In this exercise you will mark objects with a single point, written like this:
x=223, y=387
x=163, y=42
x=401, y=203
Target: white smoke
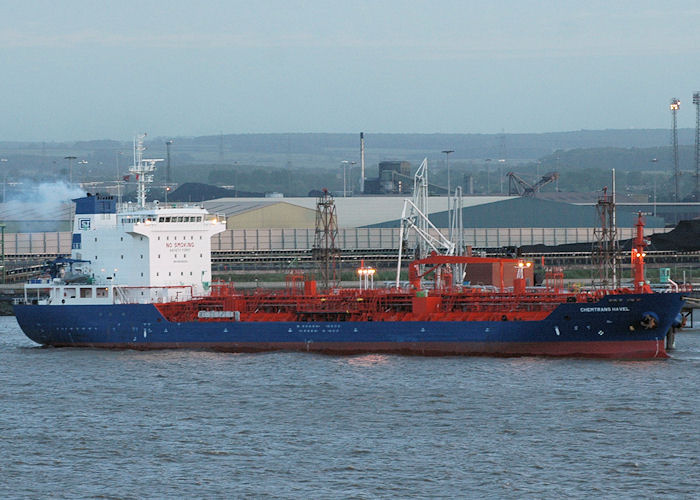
x=49, y=197
x=34, y=206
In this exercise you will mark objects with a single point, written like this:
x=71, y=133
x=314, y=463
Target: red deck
x=374, y=305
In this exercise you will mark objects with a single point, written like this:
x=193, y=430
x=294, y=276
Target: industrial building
x=525, y=212
x=270, y=213
x=394, y=178
x=364, y=223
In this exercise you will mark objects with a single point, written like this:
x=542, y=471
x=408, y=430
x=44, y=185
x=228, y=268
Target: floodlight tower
x=362, y=163
x=674, y=107
x=696, y=101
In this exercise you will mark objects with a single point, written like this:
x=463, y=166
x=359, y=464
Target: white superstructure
x=135, y=252
x=149, y=246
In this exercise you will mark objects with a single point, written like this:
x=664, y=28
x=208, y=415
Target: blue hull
x=607, y=328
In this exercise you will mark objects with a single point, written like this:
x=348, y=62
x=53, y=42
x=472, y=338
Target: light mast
x=674, y=107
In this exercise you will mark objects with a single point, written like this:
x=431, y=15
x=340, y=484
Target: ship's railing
x=132, y=207
x=53, y=290
x=152, y=294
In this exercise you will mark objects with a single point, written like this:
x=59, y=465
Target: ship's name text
x=604, y=309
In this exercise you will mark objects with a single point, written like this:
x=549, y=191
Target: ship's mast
x=638, y=254
x=606, y=249
x=143, y=169
x=325, y=250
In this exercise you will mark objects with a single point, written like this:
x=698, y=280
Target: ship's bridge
x=173, y=216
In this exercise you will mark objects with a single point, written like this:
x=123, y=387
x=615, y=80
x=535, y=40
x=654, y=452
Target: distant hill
x=465, y=145
x=296, y=163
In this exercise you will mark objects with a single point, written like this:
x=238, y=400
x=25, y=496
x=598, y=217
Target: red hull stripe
x=647, y=349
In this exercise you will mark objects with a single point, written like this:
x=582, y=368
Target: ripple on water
x=122, y=424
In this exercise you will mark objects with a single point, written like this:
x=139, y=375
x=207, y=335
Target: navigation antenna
x=143, y=170
x=606, y=249
x=415, y=216
x=324, y=249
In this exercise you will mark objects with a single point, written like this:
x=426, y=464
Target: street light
x=81, y=162
x=447, y=164
x=70, y=167
x=488, y=175
x=4, y=178
x=501, y=162
x=345, y=163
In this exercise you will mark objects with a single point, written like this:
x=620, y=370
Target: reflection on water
x=365, y=360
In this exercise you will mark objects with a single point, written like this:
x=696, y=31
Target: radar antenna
x=143, y=169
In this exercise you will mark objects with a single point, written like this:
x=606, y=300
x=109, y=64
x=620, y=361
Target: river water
x=87, y=423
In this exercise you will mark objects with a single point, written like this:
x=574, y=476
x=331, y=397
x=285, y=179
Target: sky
x=81, y=70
